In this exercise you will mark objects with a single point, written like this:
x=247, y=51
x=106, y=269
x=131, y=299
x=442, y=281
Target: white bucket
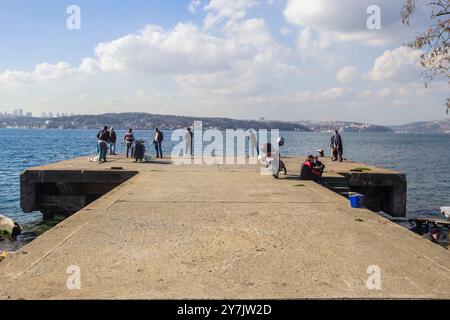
x=446, y=212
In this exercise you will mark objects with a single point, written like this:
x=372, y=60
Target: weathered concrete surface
x=384, y=189
x=68, y=186
x=224, y=232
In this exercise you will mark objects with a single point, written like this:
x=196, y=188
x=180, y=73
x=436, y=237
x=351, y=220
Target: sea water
x=425, y=159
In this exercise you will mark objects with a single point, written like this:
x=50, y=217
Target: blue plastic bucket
x=356, y=200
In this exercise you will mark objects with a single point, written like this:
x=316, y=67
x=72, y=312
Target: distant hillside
x=436, y=127
x=151, y=121
x=345, y=126
x=144, y=121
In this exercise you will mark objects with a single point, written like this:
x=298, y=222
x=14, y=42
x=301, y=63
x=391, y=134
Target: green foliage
x=361, y=169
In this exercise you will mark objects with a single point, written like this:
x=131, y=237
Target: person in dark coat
x=112, y=141
x=139, y=151
x=318, y=167
x=157, y=142
x=337, y=147
x=103, y=140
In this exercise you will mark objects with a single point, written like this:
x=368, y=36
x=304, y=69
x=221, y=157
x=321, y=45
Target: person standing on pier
x=337, y=147
x=112, y=141
x=129, y=140
x=157, y=141
x=188, y=141
x=253, y=141
x=103, y=140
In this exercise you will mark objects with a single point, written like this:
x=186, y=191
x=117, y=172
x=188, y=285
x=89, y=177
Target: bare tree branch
x=434, y=42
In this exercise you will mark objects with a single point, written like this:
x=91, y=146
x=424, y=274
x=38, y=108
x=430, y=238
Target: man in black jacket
x=103, y=140
x=112, y=141
x=337, y=147
x=157, y=141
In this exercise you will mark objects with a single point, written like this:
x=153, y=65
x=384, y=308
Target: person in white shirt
x=253, y=141
x=188, y=142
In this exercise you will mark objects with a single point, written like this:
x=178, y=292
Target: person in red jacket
x=307, y=169
x=312, y=169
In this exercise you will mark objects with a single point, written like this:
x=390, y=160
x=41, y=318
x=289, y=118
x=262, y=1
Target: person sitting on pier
x=307, y=169
x=103, y=140
x=318, y=167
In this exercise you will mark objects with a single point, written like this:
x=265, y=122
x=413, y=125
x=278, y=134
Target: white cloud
x=401, y=64
x=333, y=93
x=244, y=52
x=285, y=31
x=305, y=98
x=42, y=72
x=184, y=49
x=226, y=10
x=188, y=50
x=385, y=92
x=89, y=66
x=233, y=65
x=346, y=20
x=310, y=42
x=194, y=5
x=317, y=50
x=347, y=74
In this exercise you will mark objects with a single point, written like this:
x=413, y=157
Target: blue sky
x=35, y=30
x=279, y=59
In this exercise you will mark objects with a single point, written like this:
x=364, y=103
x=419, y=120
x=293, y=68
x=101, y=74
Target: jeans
x=103, y=146
x=158, y=148
x=253, y=148
x=130, y=149
x=112, y=147
x=188, y=149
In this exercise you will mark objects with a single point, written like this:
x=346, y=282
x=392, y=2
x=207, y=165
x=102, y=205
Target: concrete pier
x=220, y=231
x=69, y=186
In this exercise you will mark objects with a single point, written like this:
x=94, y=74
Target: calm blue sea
x=424, y=158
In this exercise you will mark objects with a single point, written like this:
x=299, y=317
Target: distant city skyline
x=242, y=59
x=21, y=113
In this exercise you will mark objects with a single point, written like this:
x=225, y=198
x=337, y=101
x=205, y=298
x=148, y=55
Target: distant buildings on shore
x=16, y=113
x=56, y=115
x=20, y=113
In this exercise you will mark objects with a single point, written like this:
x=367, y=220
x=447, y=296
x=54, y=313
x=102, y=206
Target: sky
x=245, y=59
